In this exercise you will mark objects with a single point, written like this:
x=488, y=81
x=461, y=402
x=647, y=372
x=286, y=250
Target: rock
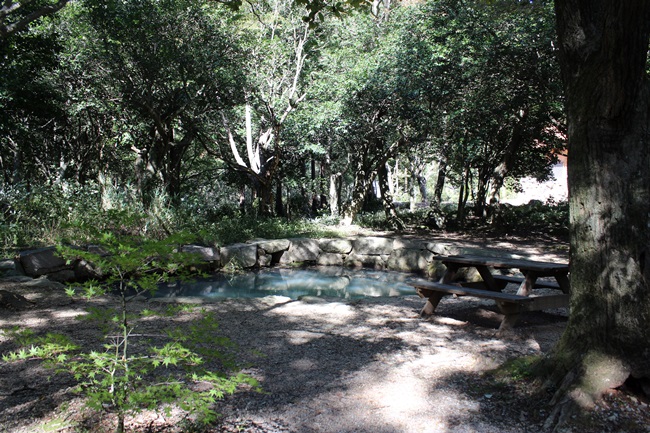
x=365, y=260
x=17, y=279
x=85, y=271
x=330, y=259
x=409, y=244
x=301, y=250
x=264, y=260
x=272, y=246
x=14, y=301
x=7, y=265
x=42, y=261
x=373, y=246
x=207, y=254
x=244, y=255
x=62, y=276
x=443, y=249
x=10, y=268
x=436, y=269
x=336, y=246
x=97, y=249
x=410, y=260
x=44, y=283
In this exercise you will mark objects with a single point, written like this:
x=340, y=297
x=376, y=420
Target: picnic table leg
x=450, y=273
x=563, y=281
x=526, y=287
x=490, y=284
x=511, y=315
x=508, y=323
x=433, y=299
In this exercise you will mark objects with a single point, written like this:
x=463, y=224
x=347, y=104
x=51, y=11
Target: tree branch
x=10, y=7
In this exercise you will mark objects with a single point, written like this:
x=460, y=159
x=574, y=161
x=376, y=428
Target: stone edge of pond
x=381, y=253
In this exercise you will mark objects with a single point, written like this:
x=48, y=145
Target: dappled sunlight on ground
x=330, y=366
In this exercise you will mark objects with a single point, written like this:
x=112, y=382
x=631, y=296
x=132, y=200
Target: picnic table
x=511, y=305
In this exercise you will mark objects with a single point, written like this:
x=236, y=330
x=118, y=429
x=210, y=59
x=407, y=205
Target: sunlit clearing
x=331, y=312
x=400, y=401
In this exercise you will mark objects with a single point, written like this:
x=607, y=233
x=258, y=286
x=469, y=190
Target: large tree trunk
x=361, y=185
x=603, y=48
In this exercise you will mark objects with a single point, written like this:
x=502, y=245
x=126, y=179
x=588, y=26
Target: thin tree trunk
x=387, y=199
x=314, y=193
x=440, y=183
x=279, y=208
x=334, y=194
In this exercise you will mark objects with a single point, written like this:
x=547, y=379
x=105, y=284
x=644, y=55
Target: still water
x=330, y=282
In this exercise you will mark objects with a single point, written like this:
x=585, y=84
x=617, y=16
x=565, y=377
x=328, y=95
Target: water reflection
x=293, y=283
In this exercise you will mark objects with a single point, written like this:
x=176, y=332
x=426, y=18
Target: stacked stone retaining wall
x=399, y=254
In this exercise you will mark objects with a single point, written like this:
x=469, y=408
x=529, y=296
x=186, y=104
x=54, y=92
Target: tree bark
x=440, y=183
x=361, y=185
x=387, y=199
x=603, y=51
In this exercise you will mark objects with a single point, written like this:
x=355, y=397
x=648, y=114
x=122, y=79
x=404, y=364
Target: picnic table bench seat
x=510, y=305
x=505, y=279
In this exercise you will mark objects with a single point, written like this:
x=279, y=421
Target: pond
x=327, y=282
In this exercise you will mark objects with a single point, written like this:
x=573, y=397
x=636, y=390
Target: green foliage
x=132, y=372
x=230, y=230
x=551, y=218
x=517, y=369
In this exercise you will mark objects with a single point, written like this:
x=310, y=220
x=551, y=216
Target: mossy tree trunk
x=603, y=52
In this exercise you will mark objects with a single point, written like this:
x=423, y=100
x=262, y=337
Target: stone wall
x=399, y=254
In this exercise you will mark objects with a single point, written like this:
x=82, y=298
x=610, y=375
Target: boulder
x=10, y=268
x=373, y=246
x=330, y=259
x=44, y=283
x=62, y=276
x=264, y=260
x=301, y=250
x=42, y=261
x=84, y=270
x=436, y=269
x=208, y=254
x=410, y=244
x=7, y=265
x=273, y=245
x=336, y=246
x=14, y=301
x=355, y=260
x=244, y=255
x=410, y=260
x=443, y=249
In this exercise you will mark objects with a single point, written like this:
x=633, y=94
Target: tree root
x=583, y=386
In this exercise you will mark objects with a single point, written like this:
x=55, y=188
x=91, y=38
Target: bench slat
x=467, y=291
x=518, y=280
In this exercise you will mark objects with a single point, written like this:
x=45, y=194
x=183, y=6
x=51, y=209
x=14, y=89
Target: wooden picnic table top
x=504, y=262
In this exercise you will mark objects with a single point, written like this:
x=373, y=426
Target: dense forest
x=194, y=112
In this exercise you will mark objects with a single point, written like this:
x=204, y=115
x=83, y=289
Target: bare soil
x=327, y=365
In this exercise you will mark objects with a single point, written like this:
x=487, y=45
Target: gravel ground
x=326, y=366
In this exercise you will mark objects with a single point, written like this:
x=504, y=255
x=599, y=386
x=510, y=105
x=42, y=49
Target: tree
x=166, y=71
x=603, y=48
x=17, y=15
x=280, y=45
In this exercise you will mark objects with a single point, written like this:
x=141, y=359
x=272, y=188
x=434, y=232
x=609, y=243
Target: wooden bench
x=509, y=304
x=503, y=280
